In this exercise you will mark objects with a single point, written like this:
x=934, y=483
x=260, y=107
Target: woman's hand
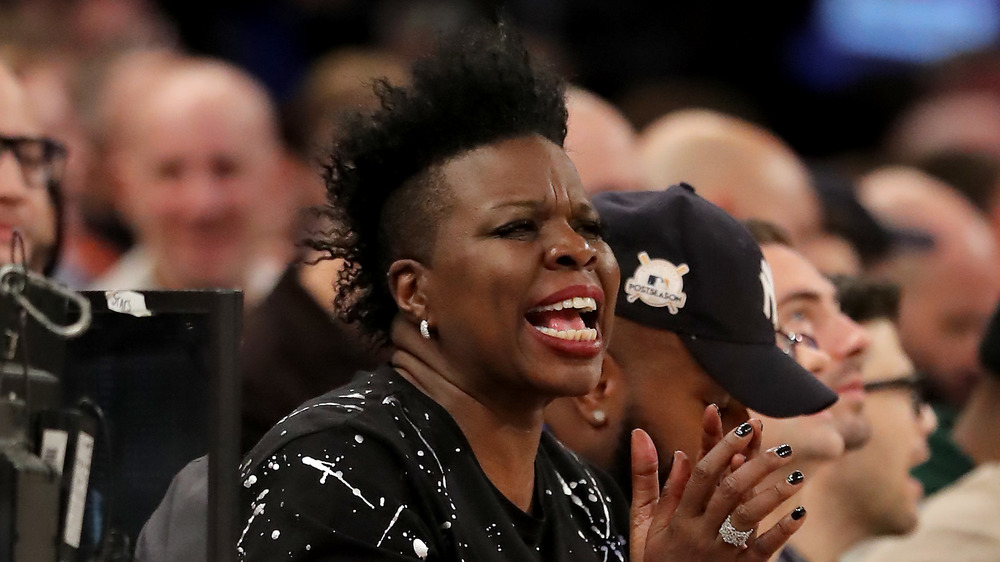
x=682, y=522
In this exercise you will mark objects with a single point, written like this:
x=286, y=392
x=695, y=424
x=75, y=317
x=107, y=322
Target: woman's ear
x=407, y=280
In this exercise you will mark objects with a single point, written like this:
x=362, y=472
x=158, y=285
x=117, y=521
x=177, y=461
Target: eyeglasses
x=42, y=160
x=789, y=342
x=911, y=382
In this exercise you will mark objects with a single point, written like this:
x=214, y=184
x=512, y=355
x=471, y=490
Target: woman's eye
x=516, y=229
x=591, y=229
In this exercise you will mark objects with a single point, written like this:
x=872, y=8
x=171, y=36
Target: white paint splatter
x=256, y=511
x=348, y=407
x=275, y=534
x=327, y=469
x=420, y=549
x=250, y=481
x=391, y=523
x=359, y=439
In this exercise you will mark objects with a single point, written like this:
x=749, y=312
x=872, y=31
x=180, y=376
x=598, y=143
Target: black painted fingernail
x=744, y=429
x=795, y=478
x=798, y=513
x=718, y=411
x=784, y=450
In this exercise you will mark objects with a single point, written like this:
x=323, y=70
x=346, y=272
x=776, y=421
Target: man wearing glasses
x=870, y=492
x=808, y=310
x=30, y=168
x=814, y=331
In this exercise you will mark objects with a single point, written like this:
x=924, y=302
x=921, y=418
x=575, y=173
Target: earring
x=425, y=329
x=600, y=418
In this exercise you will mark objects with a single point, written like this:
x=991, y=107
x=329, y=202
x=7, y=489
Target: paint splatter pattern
x=377, y=471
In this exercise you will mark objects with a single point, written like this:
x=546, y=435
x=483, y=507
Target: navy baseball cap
x=690, y=268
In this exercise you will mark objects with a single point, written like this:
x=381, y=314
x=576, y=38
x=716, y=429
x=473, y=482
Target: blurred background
x=828, y=76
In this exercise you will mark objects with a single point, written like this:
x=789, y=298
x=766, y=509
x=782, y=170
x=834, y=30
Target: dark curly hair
x=384, y=195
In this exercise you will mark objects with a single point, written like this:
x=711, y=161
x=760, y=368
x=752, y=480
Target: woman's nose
x=568, y=249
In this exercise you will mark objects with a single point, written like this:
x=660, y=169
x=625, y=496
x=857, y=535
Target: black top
x=377, y=470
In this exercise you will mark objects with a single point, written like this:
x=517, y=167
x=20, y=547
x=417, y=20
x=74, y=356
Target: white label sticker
x=127, y=302
x=54, y=448
x=78, y=490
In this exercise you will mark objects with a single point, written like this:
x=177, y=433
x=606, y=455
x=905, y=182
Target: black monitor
x=168, y=384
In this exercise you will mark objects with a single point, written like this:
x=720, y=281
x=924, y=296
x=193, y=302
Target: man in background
x=739, y=166
x=948, y=292
x=602, y=144
x=198, y=161
x=869, y=492
x=31, y=166
x=961, y=523
x=685, y=336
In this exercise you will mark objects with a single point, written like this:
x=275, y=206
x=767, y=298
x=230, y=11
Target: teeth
x=586, y=334
x=583, y=304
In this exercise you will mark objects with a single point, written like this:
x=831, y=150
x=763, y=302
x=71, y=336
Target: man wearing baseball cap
x=695, y=322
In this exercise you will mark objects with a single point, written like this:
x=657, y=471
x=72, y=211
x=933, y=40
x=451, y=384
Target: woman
x=471, y=247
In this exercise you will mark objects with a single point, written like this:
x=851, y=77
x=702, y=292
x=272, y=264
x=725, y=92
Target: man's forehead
x=795, y=276
x=16, y=117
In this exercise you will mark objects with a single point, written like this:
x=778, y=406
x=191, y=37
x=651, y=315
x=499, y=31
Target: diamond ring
x=732, y=536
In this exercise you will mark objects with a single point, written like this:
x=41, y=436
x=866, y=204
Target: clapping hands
x=683, y=520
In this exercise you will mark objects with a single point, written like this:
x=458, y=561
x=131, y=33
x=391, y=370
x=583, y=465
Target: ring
x=731, y=536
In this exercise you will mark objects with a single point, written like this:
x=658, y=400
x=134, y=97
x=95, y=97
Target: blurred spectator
x=967, y=121
x=31, y=167
x=948, y=295
x=740, y=167
x=976, y=174
x=961, y=523
x=852, y=239
x=337, y=84
x=295, y=347
x=869, y=492
x=198, y=162
x=601, y=143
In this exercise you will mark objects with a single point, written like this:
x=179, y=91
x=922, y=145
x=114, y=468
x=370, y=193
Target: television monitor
x=167, y=381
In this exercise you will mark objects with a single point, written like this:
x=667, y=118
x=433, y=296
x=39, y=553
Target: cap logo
x=657, y=283
x=767, y=284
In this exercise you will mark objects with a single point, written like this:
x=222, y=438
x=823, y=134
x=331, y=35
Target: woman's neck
x=504, y=441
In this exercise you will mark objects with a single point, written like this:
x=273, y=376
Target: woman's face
x=521, y=288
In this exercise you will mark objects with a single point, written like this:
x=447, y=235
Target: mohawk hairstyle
x=384, y=197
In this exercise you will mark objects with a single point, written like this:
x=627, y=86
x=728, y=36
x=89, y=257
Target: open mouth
x=571, y=319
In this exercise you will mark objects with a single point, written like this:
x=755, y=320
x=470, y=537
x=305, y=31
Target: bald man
x=30, y=167
x=198, y=163
x=948, y=295
x=741, y=167
x=967, y=121
x=602, y=144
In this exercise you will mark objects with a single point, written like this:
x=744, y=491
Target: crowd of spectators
x=165, y=168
